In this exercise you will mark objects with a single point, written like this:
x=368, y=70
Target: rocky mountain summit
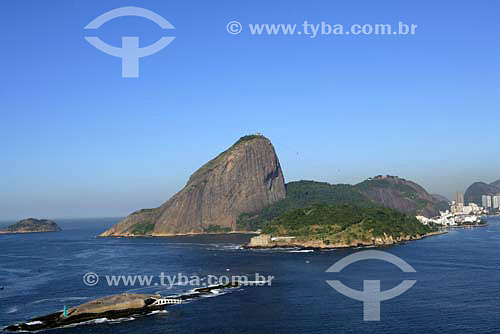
x=475, y=191
x=400, y=194
x=245, y=178
x=32, y=225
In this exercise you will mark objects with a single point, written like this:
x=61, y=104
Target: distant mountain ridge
x=402, y=195
x=475, y=191
x=496, y=184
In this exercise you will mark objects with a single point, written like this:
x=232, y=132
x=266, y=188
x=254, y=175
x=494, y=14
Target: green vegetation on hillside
x=246, y=138
x=442, y=205
x=385, y=183
x=143, y=228
x=216, y=229
x=301, y=194
x=333, y=224
x=144, y=211
x=34, y=225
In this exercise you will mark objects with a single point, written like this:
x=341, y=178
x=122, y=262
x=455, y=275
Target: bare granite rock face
x=111, y=303
x=244, y=178
x=400, y=194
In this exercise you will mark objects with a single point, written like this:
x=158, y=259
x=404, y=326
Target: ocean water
x=457, y=289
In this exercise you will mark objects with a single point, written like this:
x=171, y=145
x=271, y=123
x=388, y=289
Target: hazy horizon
x=78, y=140
x=152, y=195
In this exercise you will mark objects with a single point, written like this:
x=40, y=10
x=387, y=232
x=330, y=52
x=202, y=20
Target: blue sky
x=78, y=140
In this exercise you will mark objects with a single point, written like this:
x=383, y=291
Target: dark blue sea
x=457, y=289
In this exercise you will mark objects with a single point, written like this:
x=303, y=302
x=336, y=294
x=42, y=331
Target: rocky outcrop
x=245, y=178
x=113, y=307
x=475, y=192
x=112, y=303
x=266, y=241
x=32, y=225
x=400, y=194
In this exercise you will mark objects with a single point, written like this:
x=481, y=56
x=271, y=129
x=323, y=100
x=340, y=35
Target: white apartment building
x=496, y=202
x=486, y=199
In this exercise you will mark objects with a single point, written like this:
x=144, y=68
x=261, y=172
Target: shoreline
x=169, y=235
x=24, y=232
x=469, y=226
x=81, y=314
x=307, y=245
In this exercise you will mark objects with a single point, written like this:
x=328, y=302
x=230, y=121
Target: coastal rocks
x=113, y=307
x=111, y=303
x=263, y=240
x=267, y=241
x=245, y=178
x=32, y=225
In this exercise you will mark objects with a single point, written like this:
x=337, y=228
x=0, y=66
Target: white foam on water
x=272, y=250
x=34, y=323
x=211, y=295
x=302, y=251
x=100, y=320
x=231, y=247
x=121, y=320
x=12, y=309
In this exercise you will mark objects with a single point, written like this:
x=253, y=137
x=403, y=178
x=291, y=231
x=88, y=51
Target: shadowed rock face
x=475, y=192
x=245, y=178
x=400, y=194
x=496, y=184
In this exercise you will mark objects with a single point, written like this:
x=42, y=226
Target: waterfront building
x=496, y=202
x=486, y=199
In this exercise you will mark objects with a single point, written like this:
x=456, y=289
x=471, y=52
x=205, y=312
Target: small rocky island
x=112, y=307
x=32, y=225
x=329, y=226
